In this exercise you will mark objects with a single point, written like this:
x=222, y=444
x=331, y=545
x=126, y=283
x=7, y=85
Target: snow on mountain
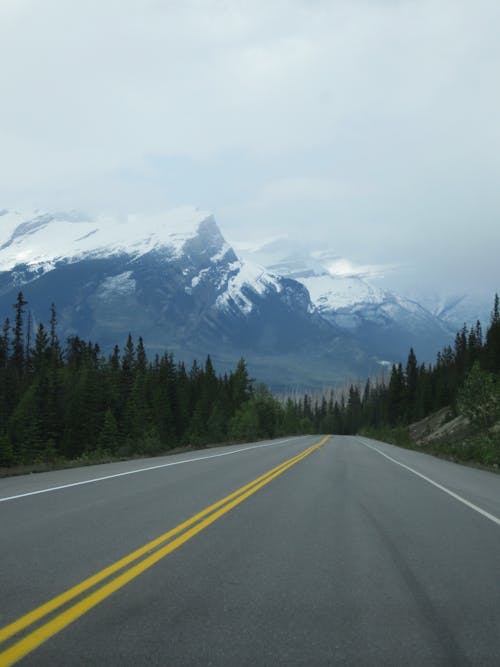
x=353, y=303
x=331, y=293
x=174, y=280
x=385, y=322
x=35, y=243
x=42, y=239
x=458, y=309
x=246, y=276
x=336, y=288
x=328, y=292
x=122, y=283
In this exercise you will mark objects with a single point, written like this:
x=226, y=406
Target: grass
x=86, y=459
x=481, y=449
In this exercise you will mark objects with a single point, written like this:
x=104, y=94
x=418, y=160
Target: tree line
x=72, y=402
x=465, y=377
x=65, y=402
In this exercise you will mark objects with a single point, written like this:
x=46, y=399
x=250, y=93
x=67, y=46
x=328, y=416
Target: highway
x=301, y=551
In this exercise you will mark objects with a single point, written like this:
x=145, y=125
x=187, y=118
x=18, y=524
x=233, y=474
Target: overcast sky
x=370, y=127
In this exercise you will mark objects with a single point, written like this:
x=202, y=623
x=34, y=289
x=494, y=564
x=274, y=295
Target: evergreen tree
x=411, y=385
x=7, y=456
x=492, y=351
x=40, y=353
x=5, y=344
x=28, y=362
x=108, y=437
x=240, y=384
x=396, y=397
x=18, y=343
x=353, y=416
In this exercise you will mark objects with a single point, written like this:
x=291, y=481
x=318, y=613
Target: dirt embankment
x=439, y=425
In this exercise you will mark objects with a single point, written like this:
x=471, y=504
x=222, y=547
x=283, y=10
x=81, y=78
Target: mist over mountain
x=457, y=309
x=381, y=321
x=175, y=280
x=340, y=285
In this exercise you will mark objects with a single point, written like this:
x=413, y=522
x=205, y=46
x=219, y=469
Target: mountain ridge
x=176, y=281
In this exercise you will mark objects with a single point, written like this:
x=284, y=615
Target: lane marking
x=134, y=472
x=63, y=619
x=55, y=603
x=451, y=493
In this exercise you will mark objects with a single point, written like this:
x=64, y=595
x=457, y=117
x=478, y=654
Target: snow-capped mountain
x=174, y=280
x=384, y=323
x=455, y=310
x=42, y=243
x=41, y=240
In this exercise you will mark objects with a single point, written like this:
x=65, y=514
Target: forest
x=465, y=378
x=70, y=402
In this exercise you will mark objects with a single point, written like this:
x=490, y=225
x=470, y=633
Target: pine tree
x=474, y=345
x=41, y=349
x=141, y=364
x=18, y=343
x=353, y=410
x=5, y=344
x=56, y=360
x=9, y=385
x=397, y=391
x=411, y=385
x=492, y=347
x=108, y=437
x=127, y=378
x=241, y=385
x=28, y=362
x=165, y=401
x=7, y=457
x=338, y=418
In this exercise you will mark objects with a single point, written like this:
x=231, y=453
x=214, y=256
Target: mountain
x=174, y=280
x=455, y=310
x=383, y=323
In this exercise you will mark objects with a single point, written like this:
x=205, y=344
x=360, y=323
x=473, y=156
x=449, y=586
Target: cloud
x=305, y=189
x=371, y=126
x=344, y=268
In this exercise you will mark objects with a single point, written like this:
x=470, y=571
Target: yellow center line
x=204, y=518
x=63, y=598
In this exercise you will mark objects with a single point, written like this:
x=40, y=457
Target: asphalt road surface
x=351, y=552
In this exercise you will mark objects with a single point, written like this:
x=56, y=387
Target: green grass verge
x=481, y=449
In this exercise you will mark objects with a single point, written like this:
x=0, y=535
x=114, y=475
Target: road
x=351, y=552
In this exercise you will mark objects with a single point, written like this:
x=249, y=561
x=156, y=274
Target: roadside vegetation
x=70, y=404
x=462, y=388
x=62, y=404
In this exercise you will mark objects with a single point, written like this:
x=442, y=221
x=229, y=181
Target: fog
x=369, y=128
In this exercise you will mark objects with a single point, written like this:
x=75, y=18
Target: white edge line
x=486, y=514
x=133, y=472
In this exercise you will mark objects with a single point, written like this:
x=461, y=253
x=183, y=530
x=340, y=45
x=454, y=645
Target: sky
x=369, y=128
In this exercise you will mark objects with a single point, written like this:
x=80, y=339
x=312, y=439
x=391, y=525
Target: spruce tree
x=41, y=348
x=5, y=344
x=353, y=410
x=241, y=385
x=18, y=343
x=397, y=392
x=108, y=437
x=411, y=385
x=492, y=347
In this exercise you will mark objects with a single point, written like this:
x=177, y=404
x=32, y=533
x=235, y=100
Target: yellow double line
x=184, y=532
